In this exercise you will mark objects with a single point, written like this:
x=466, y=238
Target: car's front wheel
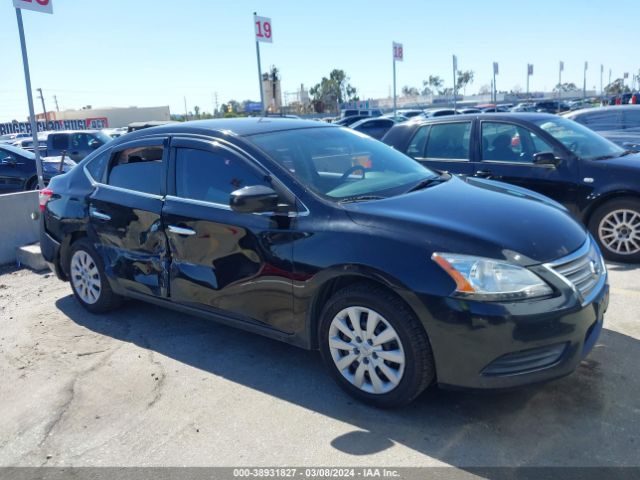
x=374, y=346
x=88, y=282
x=616, y=227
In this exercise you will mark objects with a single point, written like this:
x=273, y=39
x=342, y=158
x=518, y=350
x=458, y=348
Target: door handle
x=181, y=230
x=482, y=174
x=99, y=215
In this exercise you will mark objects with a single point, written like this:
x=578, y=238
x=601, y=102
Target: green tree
x=410, y=91
x=196, y=109
x=566, y=87
x=332, y=91
x=616, y=87
x=463, y=79
x=432, y=84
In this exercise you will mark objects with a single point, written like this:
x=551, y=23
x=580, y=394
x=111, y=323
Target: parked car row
x=402, y=276
x=595, y=180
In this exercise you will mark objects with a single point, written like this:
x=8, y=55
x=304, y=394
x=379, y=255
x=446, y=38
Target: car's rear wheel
x=374, y=346
x=616, y=227
x=32, y=184
x=88, y=281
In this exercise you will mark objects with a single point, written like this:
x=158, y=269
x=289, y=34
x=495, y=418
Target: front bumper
x=490, y=346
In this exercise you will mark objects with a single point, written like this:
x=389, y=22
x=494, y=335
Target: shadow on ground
x=589, y=418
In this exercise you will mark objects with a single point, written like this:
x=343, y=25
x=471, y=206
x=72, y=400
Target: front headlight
x=491, y=280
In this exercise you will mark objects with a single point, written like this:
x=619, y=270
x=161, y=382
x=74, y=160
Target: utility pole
x=44, y=109
x=186, y=110
x=215, y=96
x=55, y=99
x=584, y=82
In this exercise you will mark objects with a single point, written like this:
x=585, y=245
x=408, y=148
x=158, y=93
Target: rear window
x=97, y=166
x=138, y=169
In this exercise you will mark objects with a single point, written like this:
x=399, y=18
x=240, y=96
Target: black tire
x=106, y=299
x=32, y=184
x=602, y=212
x=419, y=369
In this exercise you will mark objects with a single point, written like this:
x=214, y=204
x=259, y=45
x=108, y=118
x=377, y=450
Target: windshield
x=339, y=163
x=103, y=137
x=582, y=141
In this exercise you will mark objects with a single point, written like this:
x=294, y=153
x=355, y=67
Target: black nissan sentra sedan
x=324, y=238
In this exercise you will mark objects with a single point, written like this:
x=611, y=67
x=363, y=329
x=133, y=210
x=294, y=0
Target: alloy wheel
x=366, y=350
x=85, y=277
x=619, y=232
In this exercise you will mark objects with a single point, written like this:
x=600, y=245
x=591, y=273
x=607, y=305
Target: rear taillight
x=43, y=197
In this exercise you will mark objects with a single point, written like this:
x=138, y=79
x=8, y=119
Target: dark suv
x=75, y=144
x=324, y=238
x=596, y=180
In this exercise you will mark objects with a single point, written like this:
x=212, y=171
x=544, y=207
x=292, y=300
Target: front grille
x=582, y=270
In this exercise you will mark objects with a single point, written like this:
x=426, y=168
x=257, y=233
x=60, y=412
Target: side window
x=60, y=142
x=632, y=118
x=501, y=142
x=506, y=142
x=449, y=140
x=212, y=176
x=606, y=120
x=138, y=168
x=6, y=157
x=418, y=143
x=97, y=166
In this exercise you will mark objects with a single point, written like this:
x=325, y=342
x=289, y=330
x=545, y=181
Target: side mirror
x=545, y=158
x=254, y=199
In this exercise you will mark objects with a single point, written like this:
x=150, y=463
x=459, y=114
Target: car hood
x=477, y=217
x=628, y=161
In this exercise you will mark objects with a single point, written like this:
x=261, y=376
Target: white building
x=115, y=116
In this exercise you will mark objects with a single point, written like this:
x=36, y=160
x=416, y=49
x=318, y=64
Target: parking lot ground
x=146, y=386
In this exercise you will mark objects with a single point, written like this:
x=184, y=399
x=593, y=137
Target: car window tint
x=418, y=143
x=97, y=165
x=212, y=176
x=506, y=142
x=60, y=142
x=632, y=118
x=138, y=168
x=606, y=120
x=449, y=140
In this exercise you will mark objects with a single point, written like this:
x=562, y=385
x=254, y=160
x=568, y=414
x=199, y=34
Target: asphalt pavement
x=150, y=387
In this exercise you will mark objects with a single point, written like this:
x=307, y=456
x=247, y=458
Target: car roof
x=371, y=119
x=586, y=111
x=507, y=116
x=53, y=132
x=230, y=126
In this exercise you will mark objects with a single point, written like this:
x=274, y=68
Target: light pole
x=32, y=115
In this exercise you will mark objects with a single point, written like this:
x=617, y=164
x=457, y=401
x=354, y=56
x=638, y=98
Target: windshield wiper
x=427, y=182
x=628, y=152
x=360, y=198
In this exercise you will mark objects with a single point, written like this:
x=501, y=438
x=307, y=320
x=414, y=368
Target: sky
x=156, y=52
